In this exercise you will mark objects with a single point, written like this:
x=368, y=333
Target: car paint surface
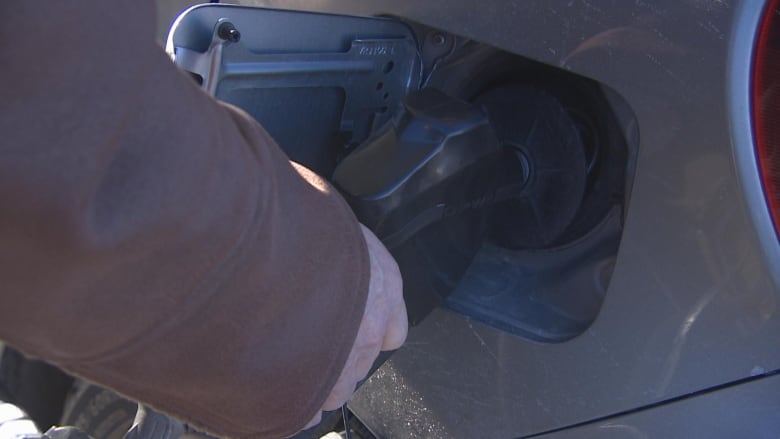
x=693, y=301
x=750, y=410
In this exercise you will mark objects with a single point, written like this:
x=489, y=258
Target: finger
x=340, y=394
x=365, y=362
x=397, y=321
x=314, y=421
x=345, y=385
x=397, y=329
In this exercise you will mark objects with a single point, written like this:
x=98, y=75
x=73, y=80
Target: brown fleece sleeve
x=158, y=242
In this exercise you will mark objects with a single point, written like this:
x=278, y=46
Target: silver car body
x=686, y=342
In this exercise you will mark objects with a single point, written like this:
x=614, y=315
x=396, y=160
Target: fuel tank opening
x=545, y=160
x=570, y=143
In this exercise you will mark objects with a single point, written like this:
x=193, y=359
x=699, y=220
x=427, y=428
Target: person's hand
x=383, y=327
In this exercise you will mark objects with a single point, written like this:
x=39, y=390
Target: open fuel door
x=320, y=84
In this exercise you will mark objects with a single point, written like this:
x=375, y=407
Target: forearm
x=158, y=242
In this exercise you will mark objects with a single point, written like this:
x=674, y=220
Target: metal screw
x=438, y=39
x=228, y=32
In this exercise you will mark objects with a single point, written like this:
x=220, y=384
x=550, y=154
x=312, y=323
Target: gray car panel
x=693, y=301
x=750, y=410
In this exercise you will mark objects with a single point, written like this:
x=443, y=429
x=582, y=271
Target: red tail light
x=766, y=106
